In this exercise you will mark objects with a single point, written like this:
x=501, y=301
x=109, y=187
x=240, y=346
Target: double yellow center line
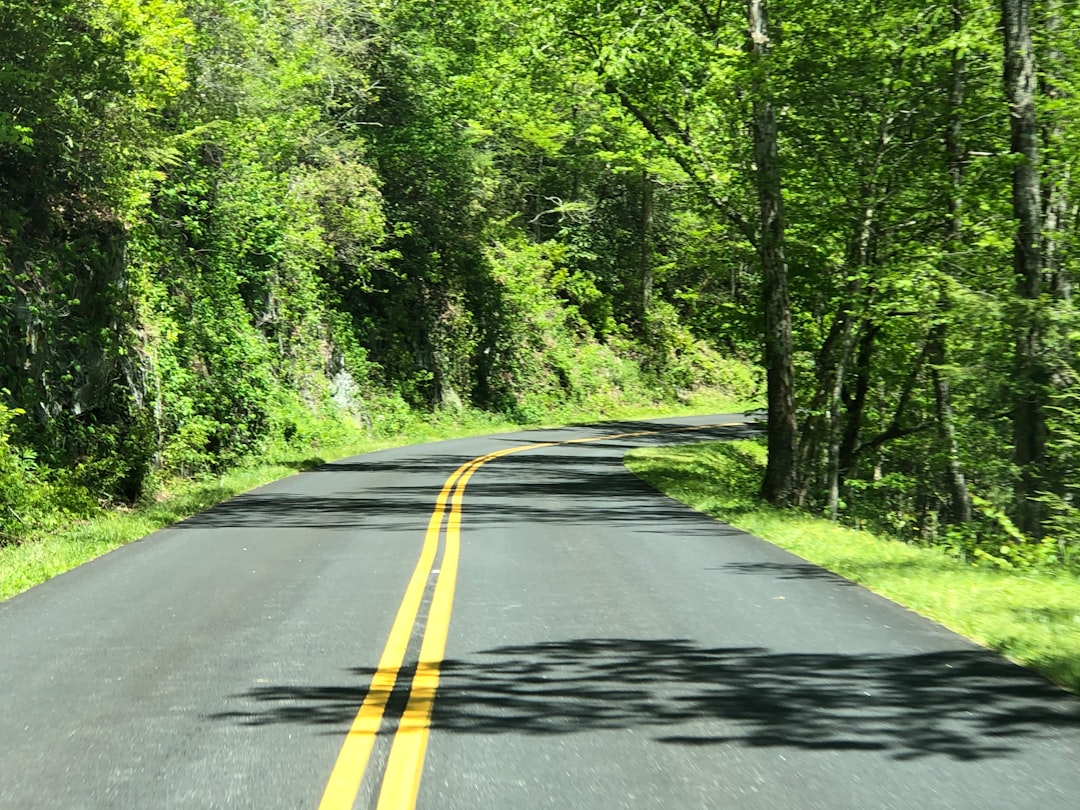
x=401, y=779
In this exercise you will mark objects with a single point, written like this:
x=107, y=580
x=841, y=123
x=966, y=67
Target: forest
x=225, y=223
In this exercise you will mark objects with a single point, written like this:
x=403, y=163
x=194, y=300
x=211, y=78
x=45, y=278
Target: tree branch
x=653, y=128
x=894, y=430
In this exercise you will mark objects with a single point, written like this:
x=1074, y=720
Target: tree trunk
x=855, y=402
x=837, y=394
x=859, y=256
x=826, y=425
x=1029, y=416
x=1056, y=193
x=959, y=498
x=645, y=256
x=780, y=473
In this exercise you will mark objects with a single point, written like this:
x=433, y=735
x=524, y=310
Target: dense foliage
x=227, y=222
x=898, y=176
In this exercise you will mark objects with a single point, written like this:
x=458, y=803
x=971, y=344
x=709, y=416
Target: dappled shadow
x=962, y=704
x=640, y=434
x=788, y=571
x=303, y=464
x=579, y=483
x=589, y=435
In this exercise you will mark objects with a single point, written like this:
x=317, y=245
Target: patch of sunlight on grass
x=1031, y=617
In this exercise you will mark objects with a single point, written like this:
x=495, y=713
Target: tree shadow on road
x=573, y=484
x=961, y=704
x=785, y=571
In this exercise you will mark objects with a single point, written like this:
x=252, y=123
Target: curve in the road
x=400, y=786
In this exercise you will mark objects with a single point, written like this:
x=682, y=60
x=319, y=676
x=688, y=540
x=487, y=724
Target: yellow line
x=348, y=772
x=401, y=780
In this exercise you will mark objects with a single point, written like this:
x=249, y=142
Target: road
x=607, y=648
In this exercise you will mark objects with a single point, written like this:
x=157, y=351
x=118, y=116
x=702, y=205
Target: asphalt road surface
x=608, y=648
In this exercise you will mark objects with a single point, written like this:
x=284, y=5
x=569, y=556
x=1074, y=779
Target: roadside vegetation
x=1028, y=611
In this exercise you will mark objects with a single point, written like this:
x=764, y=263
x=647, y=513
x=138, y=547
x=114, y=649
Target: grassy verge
x=1033, y=618
x=31, y=562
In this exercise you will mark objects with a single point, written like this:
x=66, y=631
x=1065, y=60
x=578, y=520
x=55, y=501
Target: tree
x=780, y=474
x=1032, y=377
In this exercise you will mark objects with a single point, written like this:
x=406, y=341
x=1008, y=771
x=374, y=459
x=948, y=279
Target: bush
x=29, y=503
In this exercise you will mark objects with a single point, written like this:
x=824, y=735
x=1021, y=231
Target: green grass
x=1032, y=618
x=33, y=561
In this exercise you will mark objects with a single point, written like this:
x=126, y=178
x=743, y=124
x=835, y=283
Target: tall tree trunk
x=959, y=498
x=855, y=401
x=1056, y=193
x=858, y=259
x=1029, y=416
x=837, y=395
x=826, y=424
x=780, y=473
x=645, y=247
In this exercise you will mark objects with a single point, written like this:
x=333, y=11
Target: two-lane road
x=511, y=621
